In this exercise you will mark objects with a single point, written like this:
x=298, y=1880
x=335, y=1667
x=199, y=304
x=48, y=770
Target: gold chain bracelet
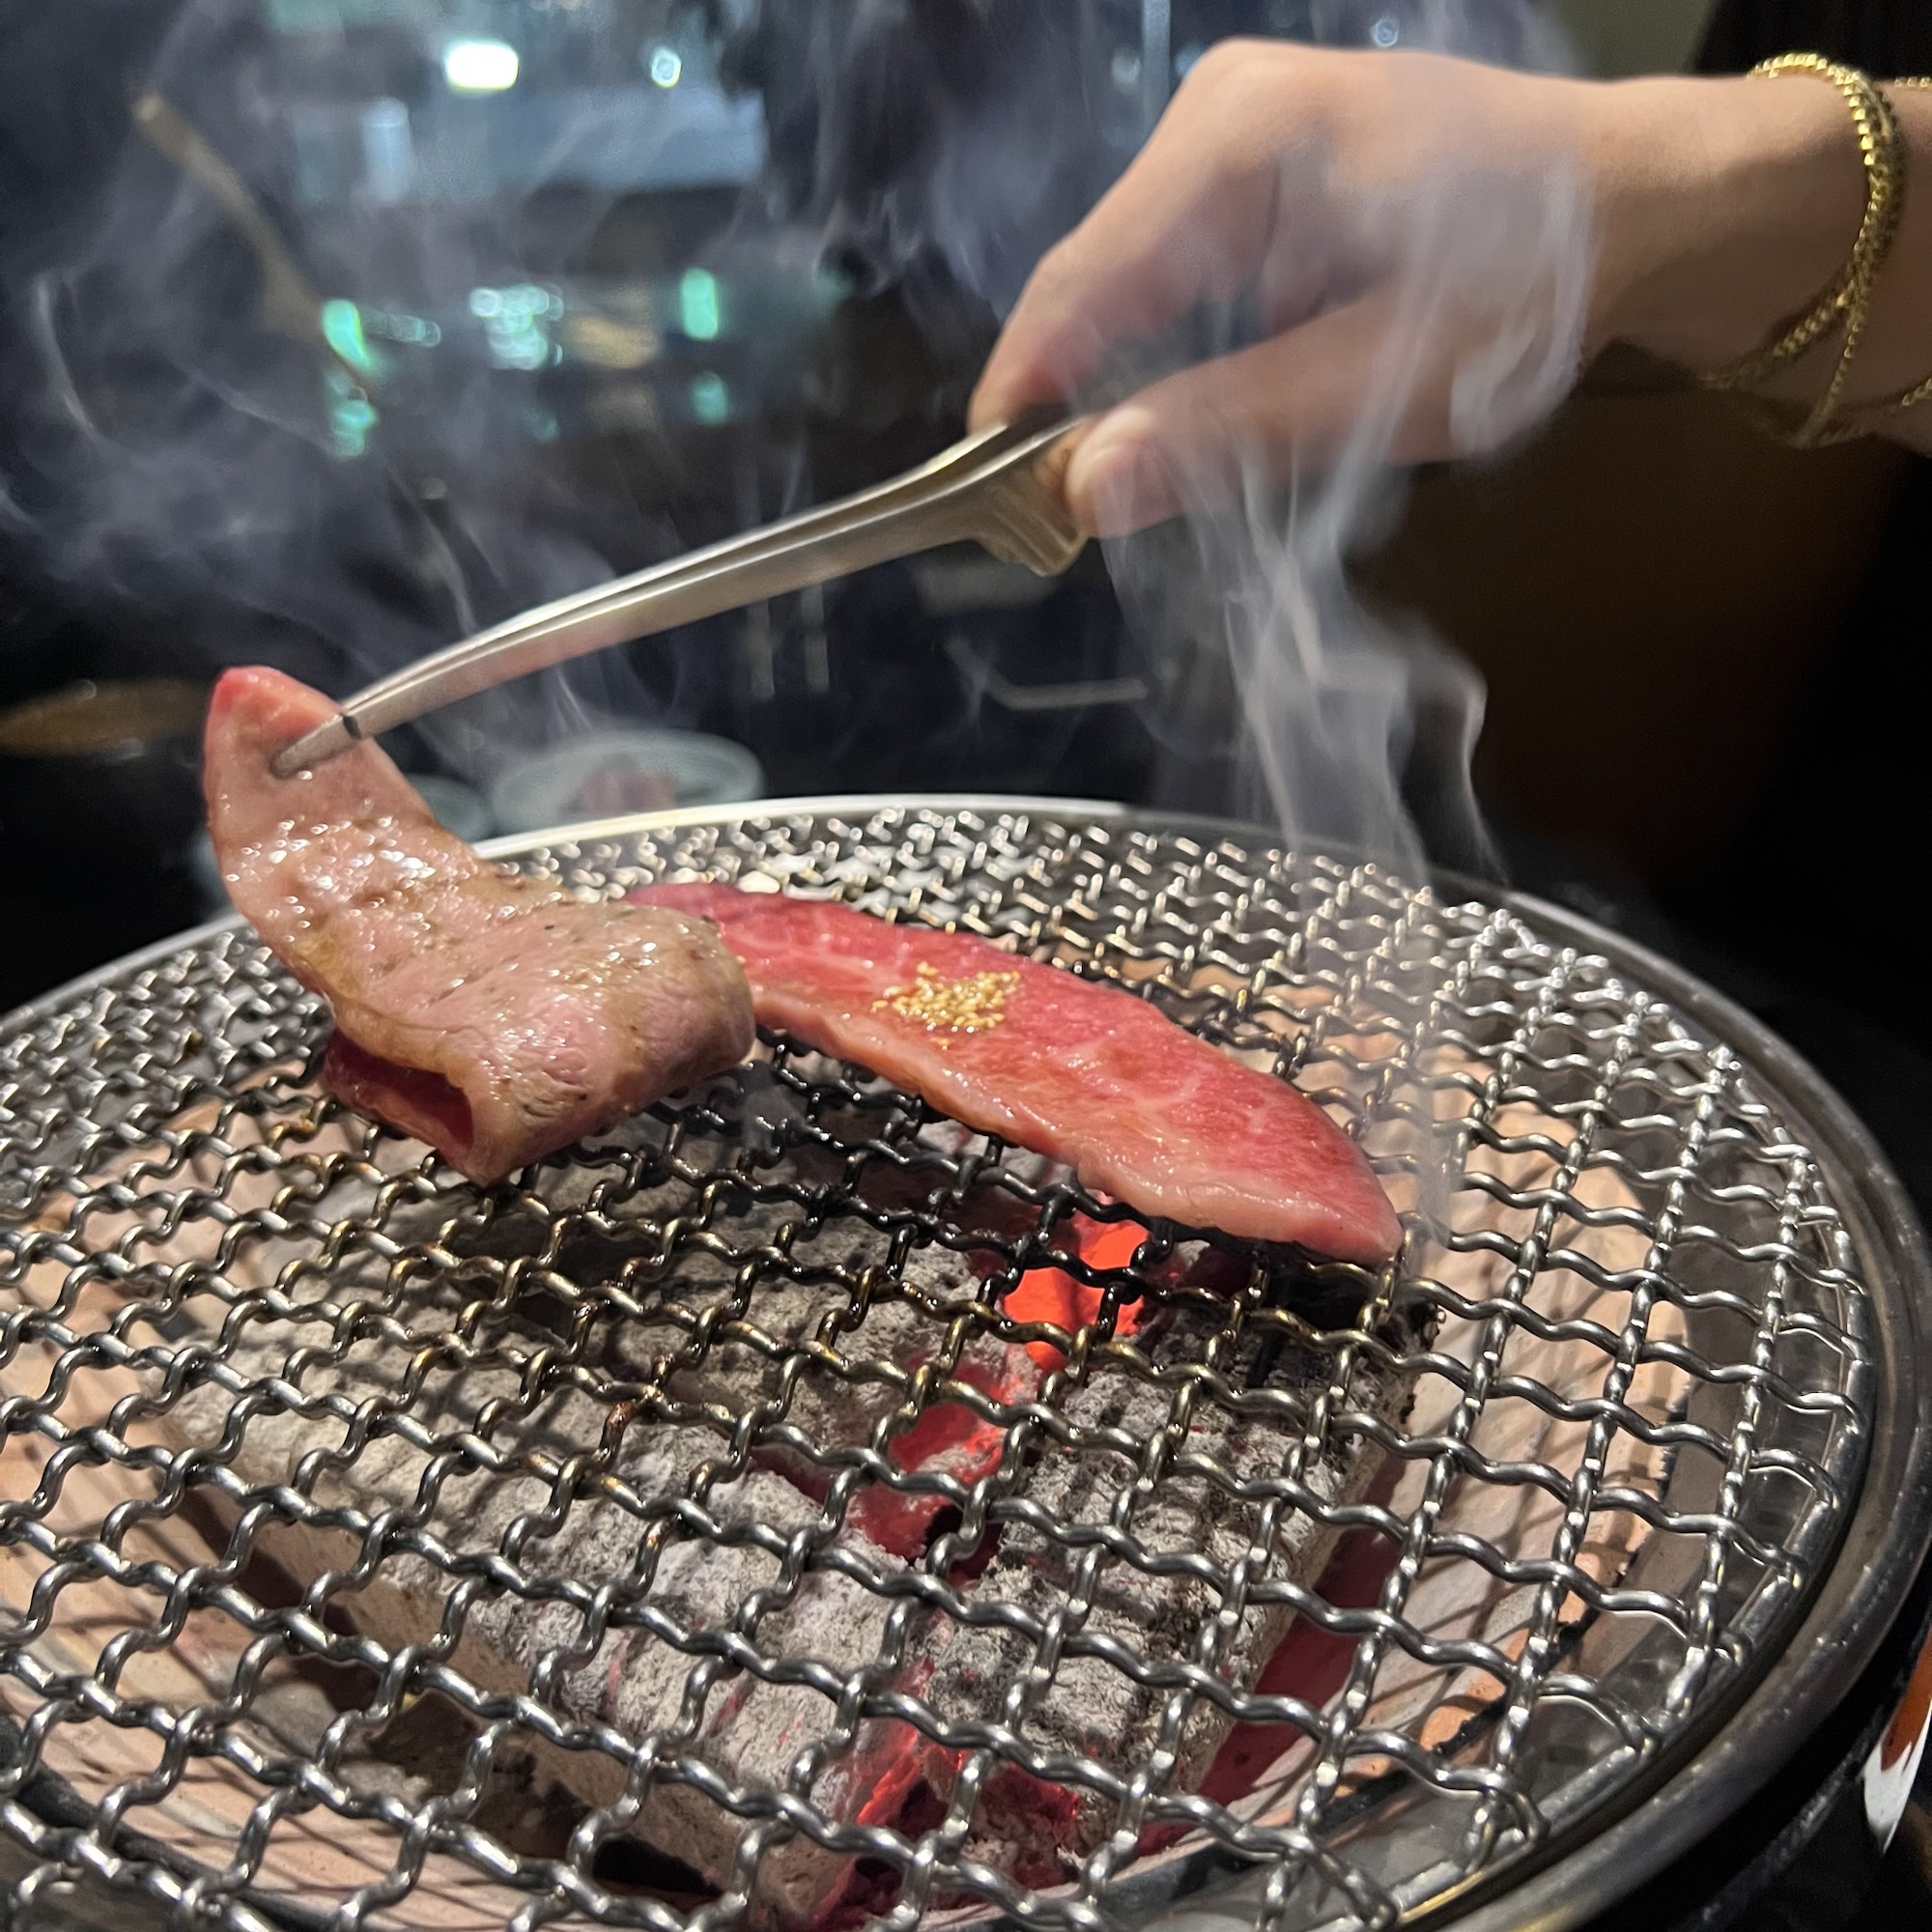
x=1842, y=309
x=1919, y=392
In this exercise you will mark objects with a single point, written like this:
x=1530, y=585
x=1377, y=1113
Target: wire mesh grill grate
x=792, y=1509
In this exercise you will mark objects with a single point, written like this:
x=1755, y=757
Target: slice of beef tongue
x=1077, y=1069
x=492, y=1016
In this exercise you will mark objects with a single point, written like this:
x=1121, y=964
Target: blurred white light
x=1386, y=31
x=1126, y=69
x=666, y=67
x=479, y=66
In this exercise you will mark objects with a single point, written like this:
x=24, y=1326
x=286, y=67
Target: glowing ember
x=950, y=1437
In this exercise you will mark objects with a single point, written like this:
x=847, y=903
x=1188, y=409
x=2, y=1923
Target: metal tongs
x=987, y=488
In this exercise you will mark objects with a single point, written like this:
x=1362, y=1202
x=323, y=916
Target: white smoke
x=1359, y=729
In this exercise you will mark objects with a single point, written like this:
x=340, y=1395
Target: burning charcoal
x=748, y=1730
x=1089, y=1709
x=612, y=1479
x=834, y=1412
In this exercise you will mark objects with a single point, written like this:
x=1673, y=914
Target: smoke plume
x=1359, y=729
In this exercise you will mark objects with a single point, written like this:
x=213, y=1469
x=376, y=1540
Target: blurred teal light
x=710, y=399
x=698, y=309
x=512, y=320
x=351, y=417
x=666, y=67
x=342, y=330
x=410, y=328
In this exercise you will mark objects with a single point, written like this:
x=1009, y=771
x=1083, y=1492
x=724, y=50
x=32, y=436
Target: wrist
x=1724, y=208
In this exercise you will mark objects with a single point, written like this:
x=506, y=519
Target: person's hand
x=1313, y=185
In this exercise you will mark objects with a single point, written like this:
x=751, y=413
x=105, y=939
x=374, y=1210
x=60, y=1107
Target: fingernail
x=1116, y=482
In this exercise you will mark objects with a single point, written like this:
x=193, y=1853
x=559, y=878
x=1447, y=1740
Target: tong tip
x=315, y=748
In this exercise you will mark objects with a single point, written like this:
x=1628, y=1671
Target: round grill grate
x=792, y=1509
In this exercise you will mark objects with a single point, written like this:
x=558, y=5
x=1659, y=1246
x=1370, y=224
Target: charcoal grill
x=1653, y=1488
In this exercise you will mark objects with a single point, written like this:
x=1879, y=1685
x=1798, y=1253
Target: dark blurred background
x=333, y=329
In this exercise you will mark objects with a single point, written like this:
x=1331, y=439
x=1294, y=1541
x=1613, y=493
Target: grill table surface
x=1659, y=1485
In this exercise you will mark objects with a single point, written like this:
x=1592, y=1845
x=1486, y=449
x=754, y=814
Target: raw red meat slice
x=1085, y=1073
x=494, y=1017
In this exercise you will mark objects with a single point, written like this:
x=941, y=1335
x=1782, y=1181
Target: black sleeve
x=1883, y=36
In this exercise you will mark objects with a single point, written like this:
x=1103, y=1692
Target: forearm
x=1726, y=205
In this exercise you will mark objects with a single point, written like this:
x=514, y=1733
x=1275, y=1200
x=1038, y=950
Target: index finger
x=1187, y=222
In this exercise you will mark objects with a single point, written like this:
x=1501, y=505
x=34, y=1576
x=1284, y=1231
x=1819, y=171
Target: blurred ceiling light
x=389, y=154
x=666, y=67
x=479, y=66
x=512, y=320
